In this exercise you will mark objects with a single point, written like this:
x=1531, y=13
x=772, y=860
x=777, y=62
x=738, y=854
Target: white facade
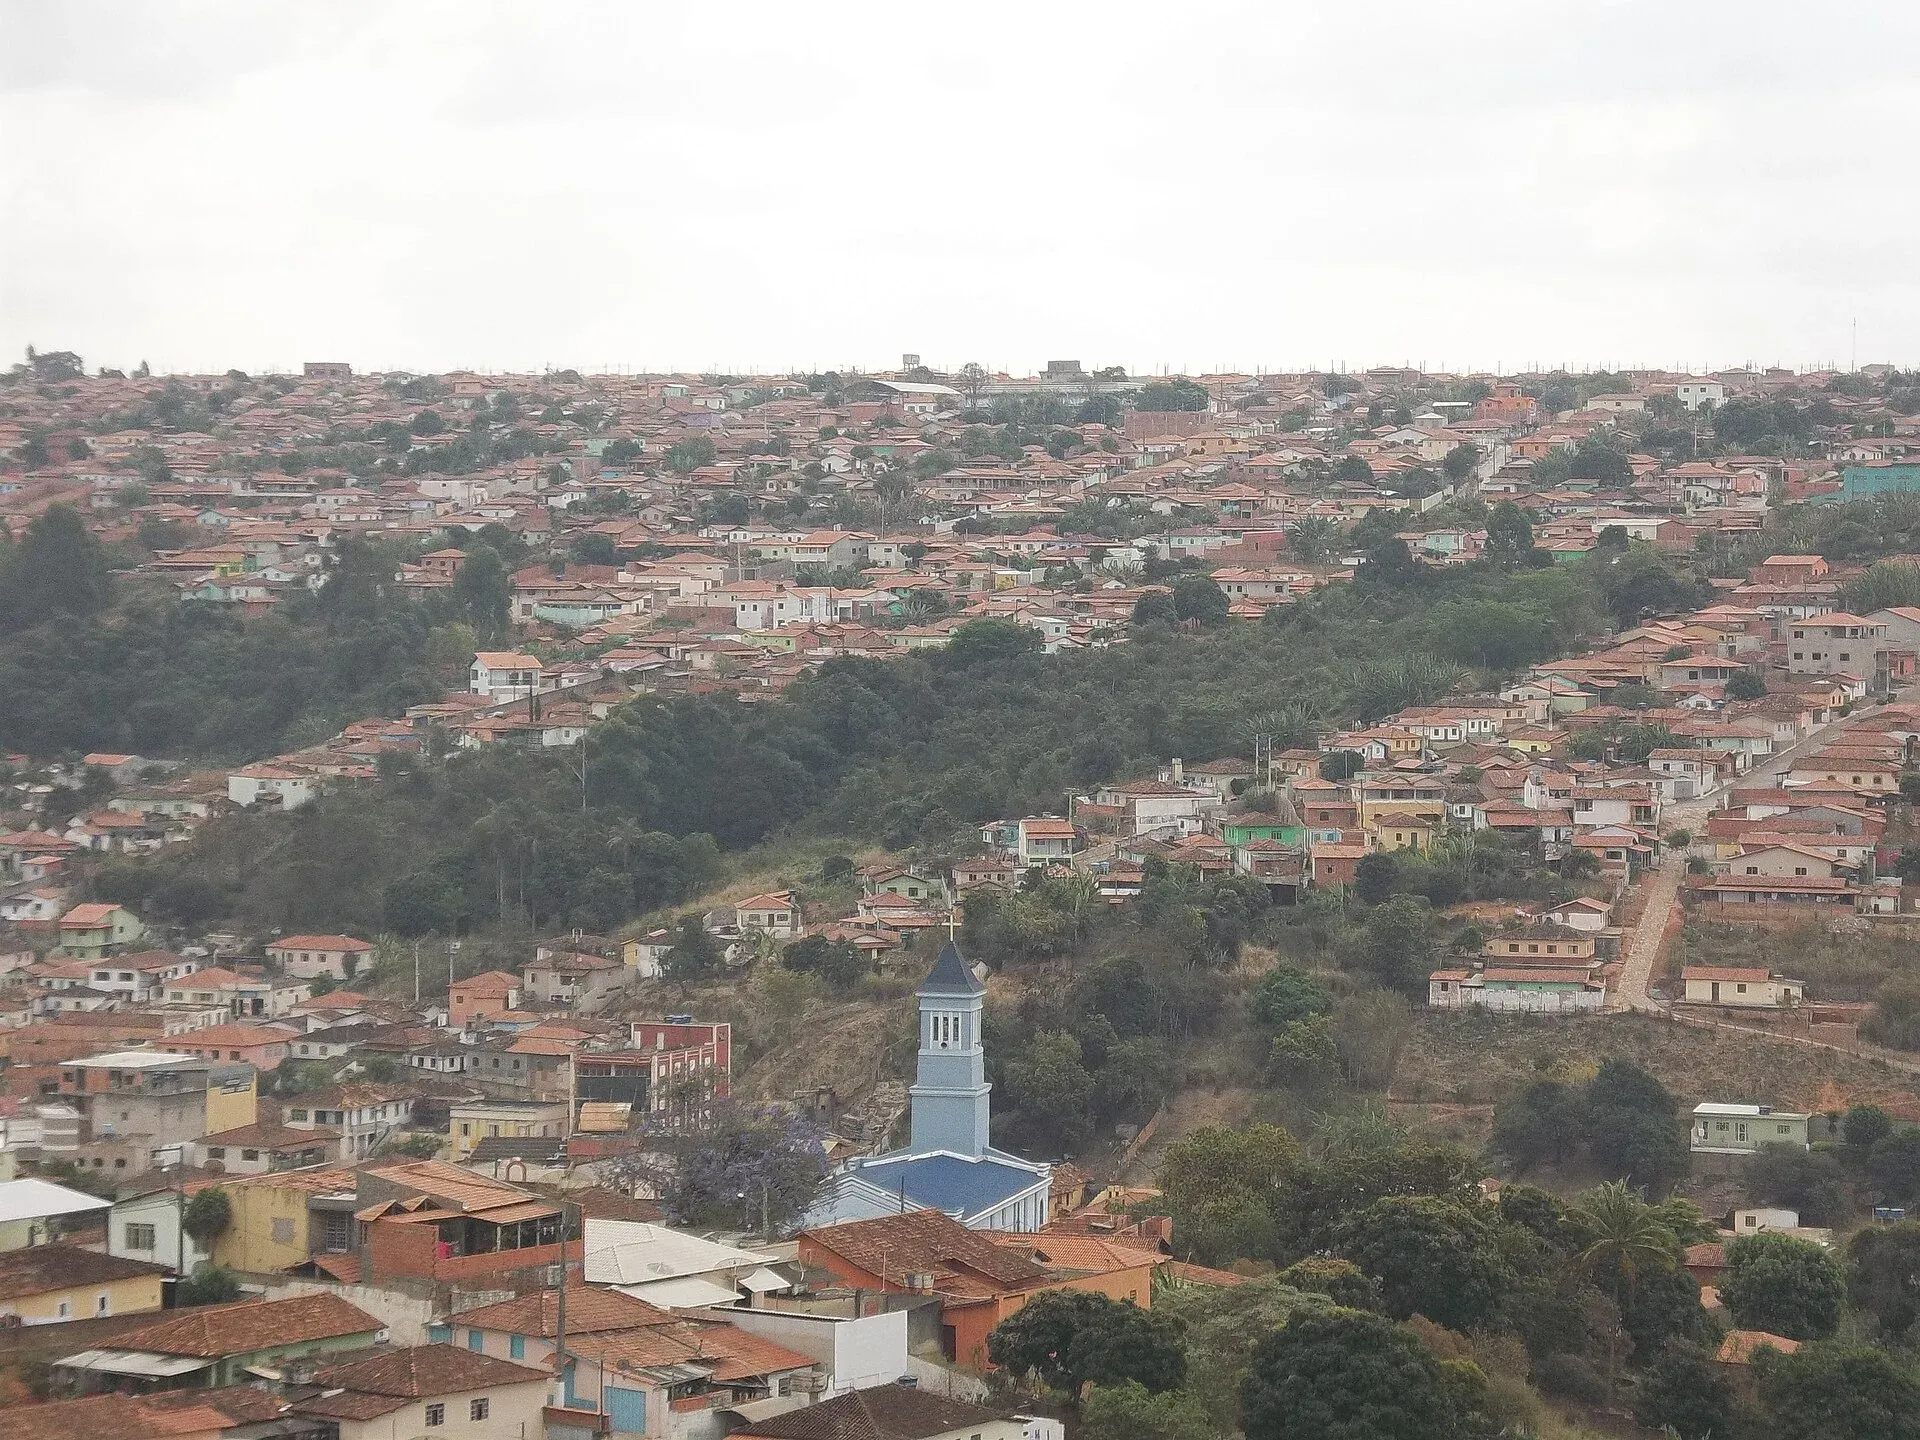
x=855, y=1354
x=1692, y=394
x=265, y=786
x=503, y=676
x=1744, y=1129
x=147, y=1227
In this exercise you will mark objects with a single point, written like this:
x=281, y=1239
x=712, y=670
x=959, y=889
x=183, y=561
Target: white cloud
x=438, y=184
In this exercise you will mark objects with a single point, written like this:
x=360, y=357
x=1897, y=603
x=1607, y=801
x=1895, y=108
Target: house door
x=626, y=1410
x=1716, y=992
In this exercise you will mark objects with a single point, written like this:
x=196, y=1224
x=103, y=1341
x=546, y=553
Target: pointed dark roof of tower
x=951, y=975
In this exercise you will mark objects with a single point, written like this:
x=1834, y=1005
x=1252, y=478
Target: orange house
x=492, y=992
x=261, y=1046
x=980, y=1278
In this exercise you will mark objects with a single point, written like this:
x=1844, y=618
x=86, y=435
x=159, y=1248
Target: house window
x=140, y=1237
x=64, y=1310
x=517, y=1347
x=436, y=1415
x=102, y=1304
x=282, y=1228
x=477, y=1409
x=476, y=1340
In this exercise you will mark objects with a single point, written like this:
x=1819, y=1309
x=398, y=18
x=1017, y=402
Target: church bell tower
x=950, y=1089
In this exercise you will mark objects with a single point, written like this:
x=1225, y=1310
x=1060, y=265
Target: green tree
x=1287, y=993
x=1304, y=1052
x=483, y=591
x=695, y=955
x=57, y=569
x=1130, y=1411
x=1179, y=393
x=1396, y=944
x=1894, y=1166
x=207, y=1216
x=590, y=547
x=1345, y=1375
x=1783, y=1285
x=1806, y=1181
x=836, y=963
x=1865, y=1126
x=1747, y=684
x=1197, y=597
x=1509, y=535
x=209, y=1285
x=689, y=455
x=1686, y=1393
x=1341, y=1281
x=1051, y=1089
x=1461, y=463
x=1883, y=1274
x=1631, y=1126
x=1838, y=1392
x=1432, y=1257
x=1221, y=1187
x=1312, y=538
x=1541, y=1125
x=1069, y=1338
x=1155, y=606
x=1622, y=1240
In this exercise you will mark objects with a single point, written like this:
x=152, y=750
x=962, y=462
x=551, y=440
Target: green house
x=1244, y=830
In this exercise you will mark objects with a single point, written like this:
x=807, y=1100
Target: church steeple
x=950, y=1090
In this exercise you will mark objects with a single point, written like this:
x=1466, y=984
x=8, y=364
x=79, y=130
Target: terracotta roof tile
x=590, y=1309
x=426, y=1370
x=924, y=1242
x=214, y=1331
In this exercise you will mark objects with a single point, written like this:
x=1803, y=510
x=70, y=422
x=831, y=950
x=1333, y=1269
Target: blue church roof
x=951, y=1183
x=951, y=975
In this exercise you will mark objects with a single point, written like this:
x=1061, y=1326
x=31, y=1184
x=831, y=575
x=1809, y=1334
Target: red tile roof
x=215, y=1331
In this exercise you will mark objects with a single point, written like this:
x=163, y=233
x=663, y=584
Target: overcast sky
x=206, y=184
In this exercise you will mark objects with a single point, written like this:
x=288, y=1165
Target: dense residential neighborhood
x=336, y=1182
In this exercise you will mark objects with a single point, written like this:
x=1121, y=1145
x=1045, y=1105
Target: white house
x=1155, y=806
x=1743, y=1129
x=1835, y=643
x=774, y=914
x=1043, y=838
x=305, y=956
x=503, y=675
x=1585, y=913
x=1693, y=394
x=147, y=1227
x=270, y=787
x=1746, y=989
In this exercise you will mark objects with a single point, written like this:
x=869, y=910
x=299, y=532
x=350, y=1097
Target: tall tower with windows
x=950, y=1089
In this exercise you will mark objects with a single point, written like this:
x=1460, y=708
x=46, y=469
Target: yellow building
x=1398, y=831
x=49, y=1284
x=233, y=1100
x=277, y=1222
x=469, y=1124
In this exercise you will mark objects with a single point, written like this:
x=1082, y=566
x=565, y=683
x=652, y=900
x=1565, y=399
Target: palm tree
x=1313, y=537
x=1623, y=1238
x=622, y=836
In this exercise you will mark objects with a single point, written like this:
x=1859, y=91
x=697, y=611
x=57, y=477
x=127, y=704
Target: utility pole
x=416, y=972
x=560, y=1311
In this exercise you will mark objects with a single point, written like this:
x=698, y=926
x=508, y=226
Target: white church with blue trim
x=947, y=1164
